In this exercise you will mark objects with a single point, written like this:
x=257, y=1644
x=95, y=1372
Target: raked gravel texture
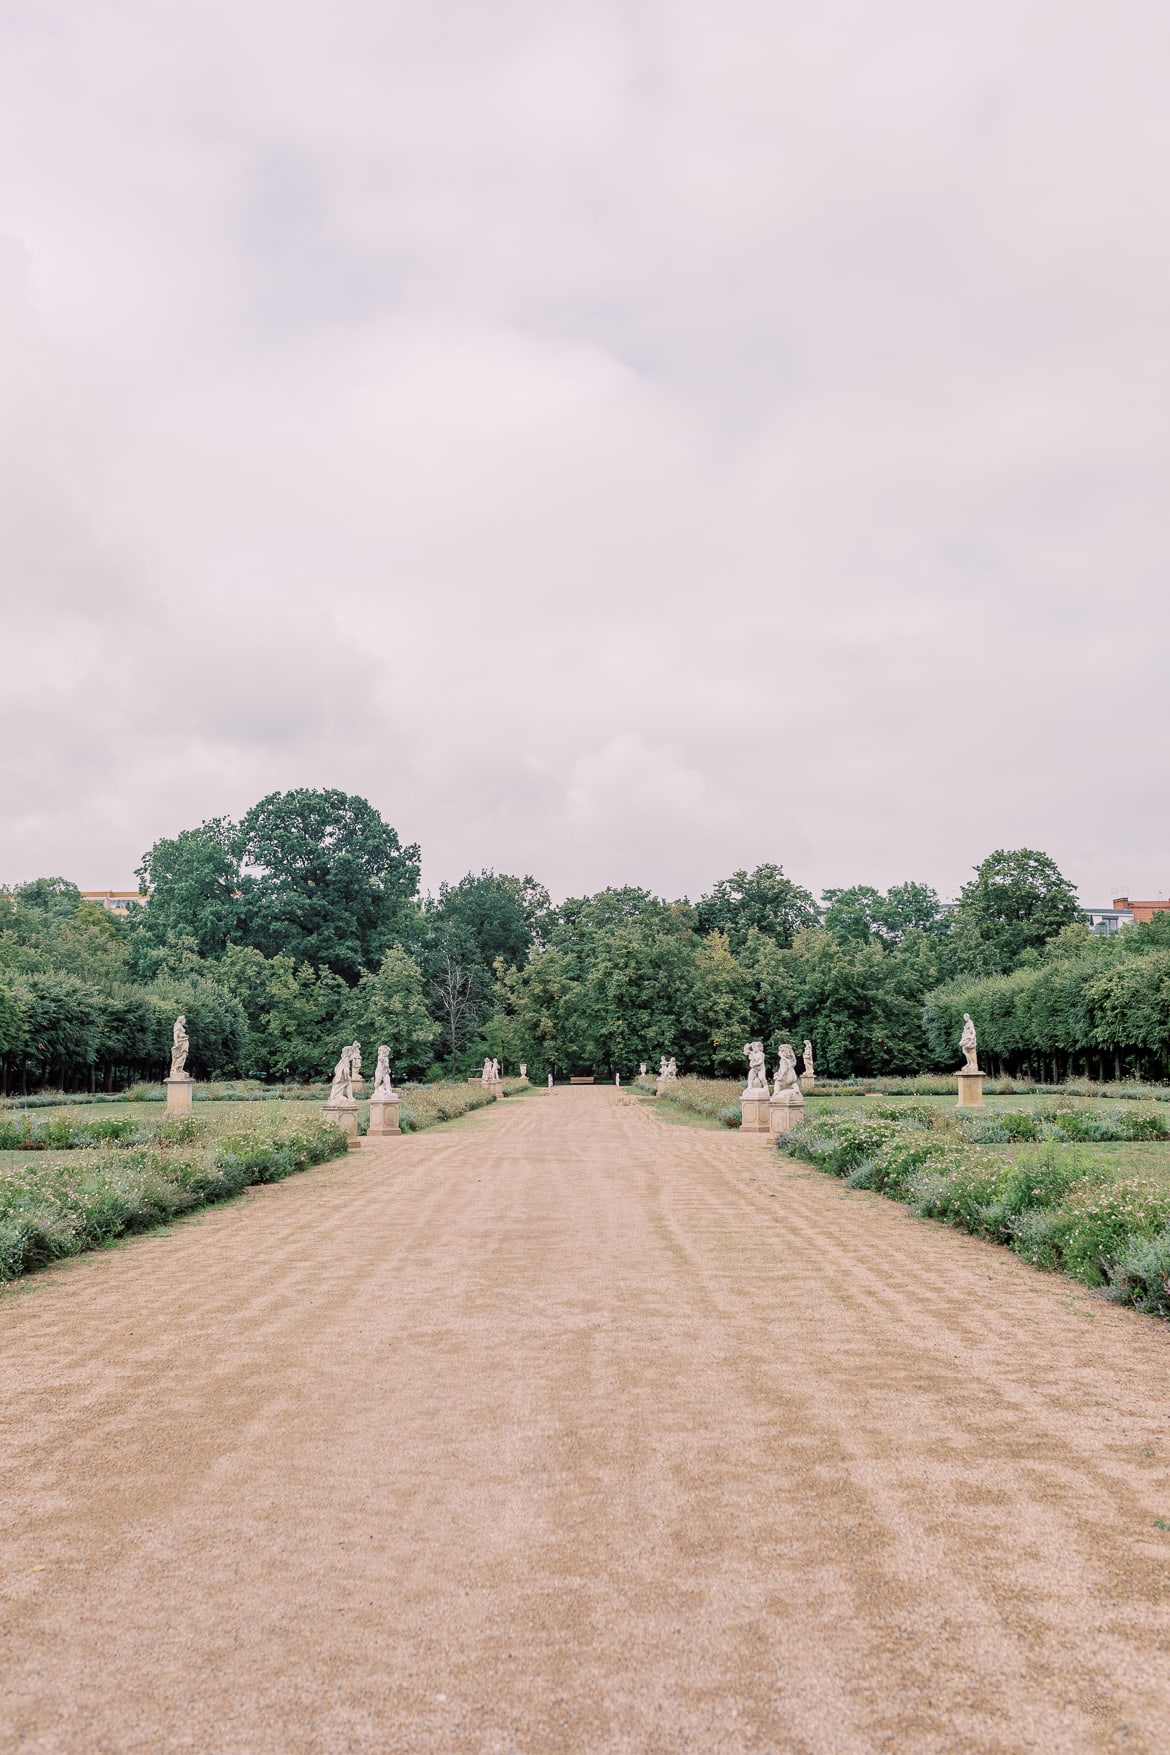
x=564, y=1430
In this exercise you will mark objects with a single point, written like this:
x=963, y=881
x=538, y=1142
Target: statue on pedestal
x=806, y=1055
x=342, y=1088
x=757, y=1069
x=968, y=1044
x=786, y=1080
x=382, y=1085
x=180, y=1046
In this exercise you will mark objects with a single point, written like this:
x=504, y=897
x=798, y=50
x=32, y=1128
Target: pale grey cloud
x=624, y=441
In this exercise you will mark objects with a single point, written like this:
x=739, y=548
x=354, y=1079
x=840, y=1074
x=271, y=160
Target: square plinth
x=970, y=1090
x=383, y=1117
x=783, y=1117
x=753, y=1107
x=344, y=1116
x=180, y=1095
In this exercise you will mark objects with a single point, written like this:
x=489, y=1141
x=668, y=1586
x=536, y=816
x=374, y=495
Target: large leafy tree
x=1017, y=900
x=764, y=899
x=196, y=888
x=857, y=912
x=389, y=1005
x=328, y=881
x=489, y=914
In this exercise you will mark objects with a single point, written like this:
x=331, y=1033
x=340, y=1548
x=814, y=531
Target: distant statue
x=180, y=1047
x=495, y=1072
x=342, y=1088
x=968, y=1045
x=810, y=1071
x=486, y=1075
x=786, y=1079
x=382, y=1085
x=757, y=1067
x=641, y=1069
x=523, y=1069
x=667, y=1068
x=550, y=1081
x=355, y=1062
x=617, y=1078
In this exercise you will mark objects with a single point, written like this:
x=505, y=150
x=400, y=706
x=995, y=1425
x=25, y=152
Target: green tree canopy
x=764, y=899
x=328, y=881
x=1017, y=900
x=389, y=1005
x=195, y=886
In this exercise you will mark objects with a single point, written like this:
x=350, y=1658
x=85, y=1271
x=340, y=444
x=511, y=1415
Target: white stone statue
x=382, y=1085
x=523, y=1069
x=786, y=1079
x=550, y=1081
x=667, y=1068
x=641, y=1069
x=968, y=1045
x=179, y=1048
x=757, y=1069
x=342, y=1088
x=617, y=1078
x=495, y=1072
x=355, y=1060
x=486, y=1075
x=806, y=1055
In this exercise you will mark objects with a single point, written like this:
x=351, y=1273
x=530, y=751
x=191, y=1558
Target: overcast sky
x=624, y=441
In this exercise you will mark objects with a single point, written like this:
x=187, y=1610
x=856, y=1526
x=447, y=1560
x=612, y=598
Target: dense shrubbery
x=423, y=1105
x=47, y=1212
x=1087, y=1004
x=718, y=1099
x=1053, y=1208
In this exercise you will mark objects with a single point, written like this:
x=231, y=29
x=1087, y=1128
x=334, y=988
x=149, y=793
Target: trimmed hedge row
x=1049, y=1206
x=49, y=1212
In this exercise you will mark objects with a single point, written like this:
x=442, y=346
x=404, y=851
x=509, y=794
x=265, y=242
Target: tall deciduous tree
x=764, y=899
x=329, y=882
x=389, y=1005
x=195, y=888
x=1017, y=901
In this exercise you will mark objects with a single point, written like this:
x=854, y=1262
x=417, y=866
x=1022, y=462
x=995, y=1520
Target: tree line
x=302, y=926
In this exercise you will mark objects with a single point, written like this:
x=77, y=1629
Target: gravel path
x=566, y=1430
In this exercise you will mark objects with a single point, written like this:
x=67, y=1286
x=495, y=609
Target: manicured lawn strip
x=50, y=1210
x=1057, y=1205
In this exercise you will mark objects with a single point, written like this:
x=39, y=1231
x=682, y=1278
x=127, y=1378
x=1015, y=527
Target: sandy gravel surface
x=564, y=1430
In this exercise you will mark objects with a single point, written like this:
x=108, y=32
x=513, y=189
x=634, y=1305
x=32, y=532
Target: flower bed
x=1049, y=1204
x=48, y=1212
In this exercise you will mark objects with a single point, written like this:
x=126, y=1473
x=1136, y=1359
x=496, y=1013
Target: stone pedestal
x=383, y=1117
x=787, y=1113
x=664, y=1087
x=180, y=1095
x=970, y=1090
x=345, y=1116
x=807, y=1081
x=496, y=1088
x=753, y=1107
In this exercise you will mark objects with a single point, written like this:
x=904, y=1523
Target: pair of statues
x=786, y=1075
x=667, y=1069
x=491, y=1072
x=349, y=1067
